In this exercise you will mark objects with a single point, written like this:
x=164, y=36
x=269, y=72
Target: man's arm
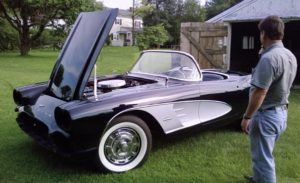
x=256, y=99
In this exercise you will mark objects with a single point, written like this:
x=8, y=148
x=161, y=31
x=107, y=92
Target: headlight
x=62, y=118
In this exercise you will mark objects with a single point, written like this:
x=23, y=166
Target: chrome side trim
x=175, y=116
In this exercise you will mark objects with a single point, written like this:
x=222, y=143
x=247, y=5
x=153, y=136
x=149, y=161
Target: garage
x=242, y=20
x=242, y=44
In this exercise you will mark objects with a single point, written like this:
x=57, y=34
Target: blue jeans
x=265, y=129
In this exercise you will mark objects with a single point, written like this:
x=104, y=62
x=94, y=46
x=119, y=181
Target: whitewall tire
x=124, y=145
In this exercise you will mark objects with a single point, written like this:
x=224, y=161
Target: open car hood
x=79, y=53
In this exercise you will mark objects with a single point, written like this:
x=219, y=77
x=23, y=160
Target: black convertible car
x=116, y=115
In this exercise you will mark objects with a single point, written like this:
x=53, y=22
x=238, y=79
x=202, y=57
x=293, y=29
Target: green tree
x=51, y=38
x=168, y=13
x=58, y=35
x=8, y=36
x=144, y=10
x=214, y=7
x=30, y=17
x=152, y=36
x=193, y=12
x=171, y=13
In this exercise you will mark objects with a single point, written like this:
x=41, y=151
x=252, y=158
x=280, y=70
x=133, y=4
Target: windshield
x=170, y=64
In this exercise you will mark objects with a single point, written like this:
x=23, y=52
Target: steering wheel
x=177, y=72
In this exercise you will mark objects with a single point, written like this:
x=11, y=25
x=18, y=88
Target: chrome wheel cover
x=122, y=146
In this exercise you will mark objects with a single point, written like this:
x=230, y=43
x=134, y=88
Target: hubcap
x=122, y=146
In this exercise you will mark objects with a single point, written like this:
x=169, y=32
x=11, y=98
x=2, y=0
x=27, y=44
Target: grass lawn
x=215, y=156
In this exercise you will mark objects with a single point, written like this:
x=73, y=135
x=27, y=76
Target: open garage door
x=245, y=45
x=291, y=41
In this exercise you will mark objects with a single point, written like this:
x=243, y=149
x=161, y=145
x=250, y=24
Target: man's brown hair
x=273, y=27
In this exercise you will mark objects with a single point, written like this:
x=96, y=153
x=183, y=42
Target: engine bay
x=107, y=84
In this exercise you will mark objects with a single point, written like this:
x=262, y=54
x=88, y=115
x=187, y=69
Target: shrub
x=152, y=36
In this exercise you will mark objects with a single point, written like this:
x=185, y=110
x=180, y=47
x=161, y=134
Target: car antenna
x=95, y=82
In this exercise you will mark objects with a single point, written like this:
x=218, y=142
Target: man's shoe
x=249, y=179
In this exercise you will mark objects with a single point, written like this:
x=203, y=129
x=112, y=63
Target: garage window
x=248, y=43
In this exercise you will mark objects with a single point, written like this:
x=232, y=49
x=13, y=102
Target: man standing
x=266, y=114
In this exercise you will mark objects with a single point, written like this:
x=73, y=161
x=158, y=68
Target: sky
x=123, y=4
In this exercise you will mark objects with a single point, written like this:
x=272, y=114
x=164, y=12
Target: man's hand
x=256, y=98
x=245, y=125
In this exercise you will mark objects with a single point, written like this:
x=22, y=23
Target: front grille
x=32, y=126
x=39, y=132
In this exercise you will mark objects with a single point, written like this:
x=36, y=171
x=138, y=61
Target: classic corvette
x=115, y=116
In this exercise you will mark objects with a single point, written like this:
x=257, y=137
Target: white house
x=121, y=32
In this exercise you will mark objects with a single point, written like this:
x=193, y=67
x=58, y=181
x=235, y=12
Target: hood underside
x=79, y=53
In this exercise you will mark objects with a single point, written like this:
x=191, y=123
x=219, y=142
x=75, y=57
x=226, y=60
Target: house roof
x=124, y=13
x=126, y=30
x=254, y=10
x=127, y=14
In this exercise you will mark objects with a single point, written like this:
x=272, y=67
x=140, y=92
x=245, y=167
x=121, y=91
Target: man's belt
x=284, y=107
